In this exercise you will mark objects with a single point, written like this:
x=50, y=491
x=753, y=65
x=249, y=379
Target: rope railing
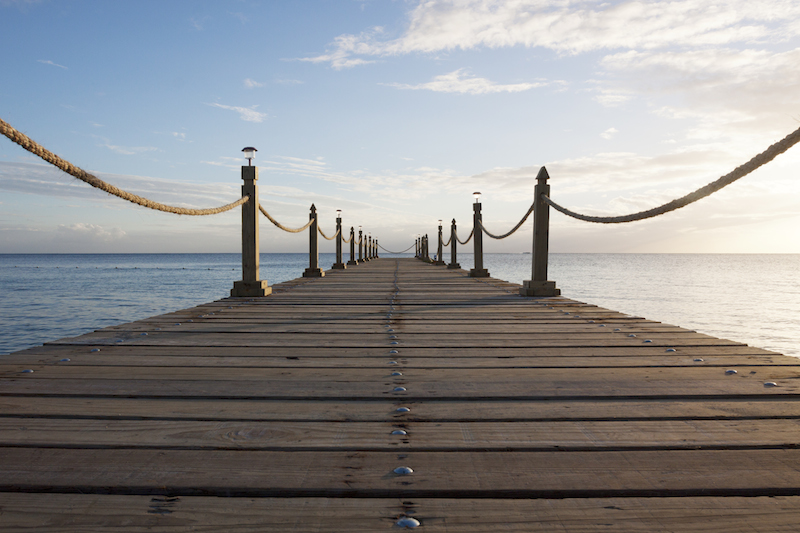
x=739, y=172
x=471, y=234
x=281, y=226
x=391, y=252
x=514, y=229
x=325, y=236
x=77, y=172
x=346, y=241
x=446, y=244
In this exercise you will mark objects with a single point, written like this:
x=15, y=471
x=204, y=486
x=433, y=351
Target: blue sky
x=395, y=112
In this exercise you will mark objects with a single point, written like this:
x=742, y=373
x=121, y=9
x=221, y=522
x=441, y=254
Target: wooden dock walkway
x=292, y=412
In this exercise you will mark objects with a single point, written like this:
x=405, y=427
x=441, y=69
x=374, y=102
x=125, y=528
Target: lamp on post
x=250, y=285
x=477, y=239
x=439, y=260
x=360, y=246
x=339, y=264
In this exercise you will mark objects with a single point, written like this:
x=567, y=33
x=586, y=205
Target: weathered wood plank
x=67, y=513
x=758, y=472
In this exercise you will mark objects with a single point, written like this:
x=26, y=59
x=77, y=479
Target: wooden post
x=250, y=285
x=453, y=262
x=538, y=285
x=352, y=247
x=313, y=270
x=426, y=256
x=339, y=264
x=439, y=259
x=477, y=240
x=416, y=247
x=366, y=247
x=376, y=249
x=360, y=246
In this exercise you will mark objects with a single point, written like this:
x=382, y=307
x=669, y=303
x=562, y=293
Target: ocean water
x=747, y=298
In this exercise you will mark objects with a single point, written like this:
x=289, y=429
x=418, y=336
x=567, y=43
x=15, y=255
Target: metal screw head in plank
x=392, y=362
x=394, y=342
x=671, y=350
x=397, y=373
x=698, y=359
x=731, y=372
x=399, y=389
x=392, y=351
x=65, y=360
x=27, y=371
x=407, y=522
x=648, y=340
x=392, y=336
x=144, y=333
x=770, y=384
x=403, y=410
x=399, y=432
x=617, y=329
x=601, y=326
x=631, y=335
x=403, y=470
x=95, y=350
x=177, y=323
x=576, y=316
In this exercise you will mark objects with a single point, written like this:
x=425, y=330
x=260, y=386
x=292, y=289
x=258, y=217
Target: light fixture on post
x=250, y=285
x=249, y=154
x=477, y=196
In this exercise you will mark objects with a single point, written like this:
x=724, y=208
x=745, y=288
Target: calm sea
x=748, y=298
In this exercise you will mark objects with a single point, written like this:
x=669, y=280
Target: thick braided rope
x=446, y=244
x=325, y=236
x=38, y=150
x=281, y=226
x=471, y=233
x=739, y=172
x=347, y=241
x=391, y=252
x=503, y=236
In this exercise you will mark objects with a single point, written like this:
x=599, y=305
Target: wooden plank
x=68, y=513
x=759, y=472
x=378, y=436
x=382, y=411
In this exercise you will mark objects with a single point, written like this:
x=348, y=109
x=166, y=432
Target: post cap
x=477, y=196
x=249, y=154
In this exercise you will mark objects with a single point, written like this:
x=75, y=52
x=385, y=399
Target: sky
x=396, y=112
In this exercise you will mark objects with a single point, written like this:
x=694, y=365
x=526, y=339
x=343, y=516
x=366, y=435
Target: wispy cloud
x=570, y=27
x=609, y=133
x=129, y=150
x=92, y=231
x=251, y=84
x=248, y=114
x=48, y=62
x=461, y=82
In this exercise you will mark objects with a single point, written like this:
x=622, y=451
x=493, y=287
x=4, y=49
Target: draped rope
x=446, y=244
x=391, y=252
x=281, y=226
x=503, y=236
x=77, y=172
x=325, y=236
x=739, y=172
x=346, y=241
x=471, y=233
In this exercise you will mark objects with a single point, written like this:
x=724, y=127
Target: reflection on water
x=748, y=298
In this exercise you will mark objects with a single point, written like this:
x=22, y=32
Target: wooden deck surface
x=281, y=414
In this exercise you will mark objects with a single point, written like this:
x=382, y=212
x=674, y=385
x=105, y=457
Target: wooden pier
x=293, y=412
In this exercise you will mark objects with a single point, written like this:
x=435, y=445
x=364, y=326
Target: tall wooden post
x=352, y=247
x=538, y=285
x=360, y=246
x=477, y=240
x=339, y=264
x=313, y=270
x=426, y=254
x=367, y=246
x=453, y=240
x=416, y=247
x=376, y=249
x=250, y=285
x=439, y=259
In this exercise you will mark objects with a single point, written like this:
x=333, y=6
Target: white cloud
x=458, y=82
x=572, y=27
x=48, y=62
x=92, y=231
x=609, y=133
x=248, y=114
x=250, y=84
x=129, y=150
